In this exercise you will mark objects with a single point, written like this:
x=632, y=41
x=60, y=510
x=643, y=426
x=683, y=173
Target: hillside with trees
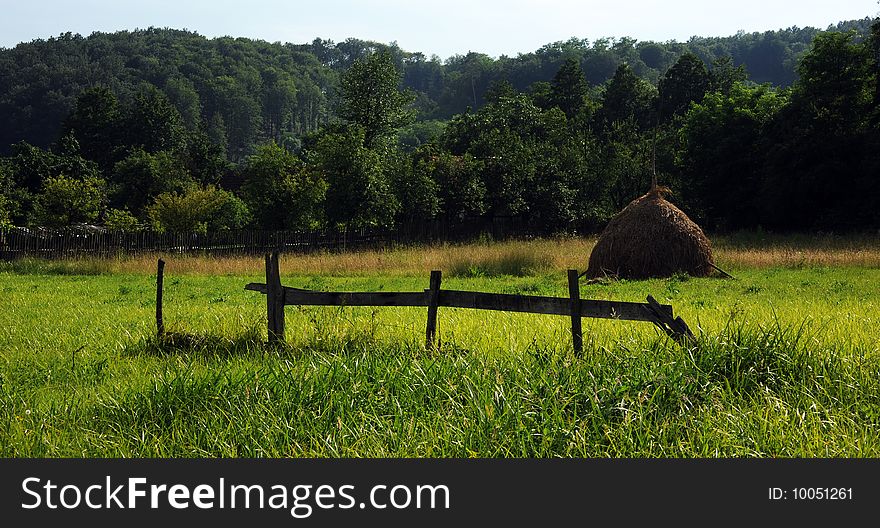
x=168, y=130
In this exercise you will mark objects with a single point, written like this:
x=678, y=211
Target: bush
x=121, y=220
x=197, y=210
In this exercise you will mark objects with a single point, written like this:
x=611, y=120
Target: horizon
x=388, y=22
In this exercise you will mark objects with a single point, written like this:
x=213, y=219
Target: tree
x=279, y=102
x=95, y=123
x=204, y=159
x=371, y=98
x=5, y=213
x=627, y=97
x=7, y=187
x=835, y=78
x=65, y=201
x=151, y=123
x=461, y=193
x=569, y=88
x=142, y=176
x=414, y=190
x=182, y=93
x=724, y=75
x=722, y=156
x=281, y=191
x=684, y=83
x=420, y=133
x=31, y=165
x=818, y=171
x=358, y=193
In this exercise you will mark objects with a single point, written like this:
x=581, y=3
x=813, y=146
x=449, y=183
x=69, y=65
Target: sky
x=441, y=27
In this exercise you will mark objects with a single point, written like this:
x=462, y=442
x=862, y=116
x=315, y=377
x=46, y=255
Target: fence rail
x=279, y=296
x=74, y=242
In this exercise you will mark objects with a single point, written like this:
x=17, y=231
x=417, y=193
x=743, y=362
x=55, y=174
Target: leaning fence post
x=574, y=294
x=433, y=301
x=274, y=299
x=160, y=323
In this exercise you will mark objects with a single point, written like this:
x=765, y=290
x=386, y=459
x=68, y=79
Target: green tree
x=65, y=201
x=151, y=123
x=5, y=213
x=835, y=78
x=414, y=190
x=372, y=99
x=461, y=193
x=358, y=193
x=281, y=191
x=818, y=170
x=204, y=159
x=31, y=165
x=627, y=97
x=724, y=75
x=569, y=88
x=722, y=156
x=142, y=176
x=182, y=93
x=684, y=83
x=279, y=102
x=510, y=137
x=420, y=133
x=95, y=123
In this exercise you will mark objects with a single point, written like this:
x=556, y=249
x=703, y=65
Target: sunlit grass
x=787, y=365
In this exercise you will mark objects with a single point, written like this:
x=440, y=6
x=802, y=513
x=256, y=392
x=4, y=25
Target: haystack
x=651, y=238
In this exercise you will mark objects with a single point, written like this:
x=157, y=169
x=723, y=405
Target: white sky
x=442, y=27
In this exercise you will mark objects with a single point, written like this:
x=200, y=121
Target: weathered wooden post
x=574, y=294
x=274, y=299
x=433, y=301
x=160, y=323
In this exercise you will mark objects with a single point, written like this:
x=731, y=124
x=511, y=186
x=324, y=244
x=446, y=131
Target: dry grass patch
x=516, y=258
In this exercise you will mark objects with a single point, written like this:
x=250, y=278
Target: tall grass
x=742, y=392
x=786, y=365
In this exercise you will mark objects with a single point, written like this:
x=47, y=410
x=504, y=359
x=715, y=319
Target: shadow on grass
x=79, y=266
x=249, y=342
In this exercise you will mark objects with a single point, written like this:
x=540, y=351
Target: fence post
x=433, y=301
x=574, y=294
x=160, y=276
x=274, y=299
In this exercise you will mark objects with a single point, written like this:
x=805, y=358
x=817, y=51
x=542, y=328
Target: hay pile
x=651, y=238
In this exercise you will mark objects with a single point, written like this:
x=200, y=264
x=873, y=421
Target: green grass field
x=788, y=361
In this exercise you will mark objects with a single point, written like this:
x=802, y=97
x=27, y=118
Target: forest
x=165, y=129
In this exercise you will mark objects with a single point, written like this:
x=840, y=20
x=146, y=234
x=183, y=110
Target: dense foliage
x=168, y=129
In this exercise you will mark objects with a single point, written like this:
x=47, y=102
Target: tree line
x=229, y=133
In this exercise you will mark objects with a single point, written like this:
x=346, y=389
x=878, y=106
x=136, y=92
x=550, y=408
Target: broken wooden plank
x=675, y=328
x=625, y=311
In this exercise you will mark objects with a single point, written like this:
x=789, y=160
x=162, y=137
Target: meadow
x=787, y=362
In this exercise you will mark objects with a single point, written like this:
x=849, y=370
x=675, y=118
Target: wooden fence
x=74, y=242
x=279, y=296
